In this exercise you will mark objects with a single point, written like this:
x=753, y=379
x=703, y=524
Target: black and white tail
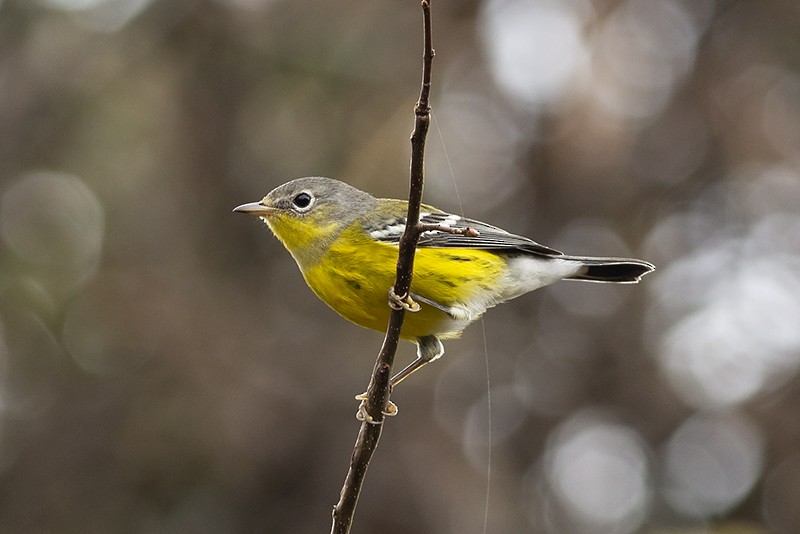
x=617, y=270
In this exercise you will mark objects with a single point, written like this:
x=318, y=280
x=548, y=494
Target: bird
x=345, y=242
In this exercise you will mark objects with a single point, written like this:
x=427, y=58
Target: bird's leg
x=396, y=302
x=429, y=348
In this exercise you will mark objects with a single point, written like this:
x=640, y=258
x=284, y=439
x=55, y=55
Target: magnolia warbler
x=345, y=242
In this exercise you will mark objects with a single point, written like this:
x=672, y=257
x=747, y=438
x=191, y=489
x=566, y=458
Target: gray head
x=304, y=196
x=307, y=213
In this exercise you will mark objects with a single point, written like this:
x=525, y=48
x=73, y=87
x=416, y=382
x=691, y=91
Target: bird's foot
x=404, y=302
x=362, y=415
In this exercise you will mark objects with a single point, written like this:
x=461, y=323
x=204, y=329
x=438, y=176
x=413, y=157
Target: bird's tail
x=618, y=270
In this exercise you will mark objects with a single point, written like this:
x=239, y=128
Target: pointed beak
x=255, y=208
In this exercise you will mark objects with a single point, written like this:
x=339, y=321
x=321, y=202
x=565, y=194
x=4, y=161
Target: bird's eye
x=302, y=200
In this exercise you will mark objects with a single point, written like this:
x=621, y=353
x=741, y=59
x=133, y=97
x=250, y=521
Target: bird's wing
x=488, y=237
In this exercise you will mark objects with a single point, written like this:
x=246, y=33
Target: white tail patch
x=526, y=273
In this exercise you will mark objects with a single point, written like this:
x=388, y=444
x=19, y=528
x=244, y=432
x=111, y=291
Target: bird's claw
x=404, y=302
x=362, y=415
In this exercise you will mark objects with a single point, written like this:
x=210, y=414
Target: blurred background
x=163, y=367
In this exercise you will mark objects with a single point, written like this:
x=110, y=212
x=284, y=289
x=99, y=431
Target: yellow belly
x=354, y=279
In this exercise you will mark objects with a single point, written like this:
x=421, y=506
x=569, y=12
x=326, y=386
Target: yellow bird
x=345, y=242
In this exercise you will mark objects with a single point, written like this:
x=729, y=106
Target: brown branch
x=466, y=230
x=379, y=387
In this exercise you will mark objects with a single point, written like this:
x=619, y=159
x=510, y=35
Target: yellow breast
x=354, y=276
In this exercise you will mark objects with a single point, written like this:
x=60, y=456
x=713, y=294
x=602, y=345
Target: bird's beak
x=255, y=208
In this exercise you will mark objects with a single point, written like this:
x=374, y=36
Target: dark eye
x=303, y=200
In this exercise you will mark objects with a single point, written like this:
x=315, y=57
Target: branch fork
x=467, y=231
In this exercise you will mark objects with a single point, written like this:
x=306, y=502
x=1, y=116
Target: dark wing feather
x=489, y=237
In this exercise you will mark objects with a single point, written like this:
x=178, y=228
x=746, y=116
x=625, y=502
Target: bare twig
x=379, y=387
x=466, y=230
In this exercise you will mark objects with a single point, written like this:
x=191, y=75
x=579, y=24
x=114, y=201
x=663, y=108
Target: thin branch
x=379, y=387
x=466, y=230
